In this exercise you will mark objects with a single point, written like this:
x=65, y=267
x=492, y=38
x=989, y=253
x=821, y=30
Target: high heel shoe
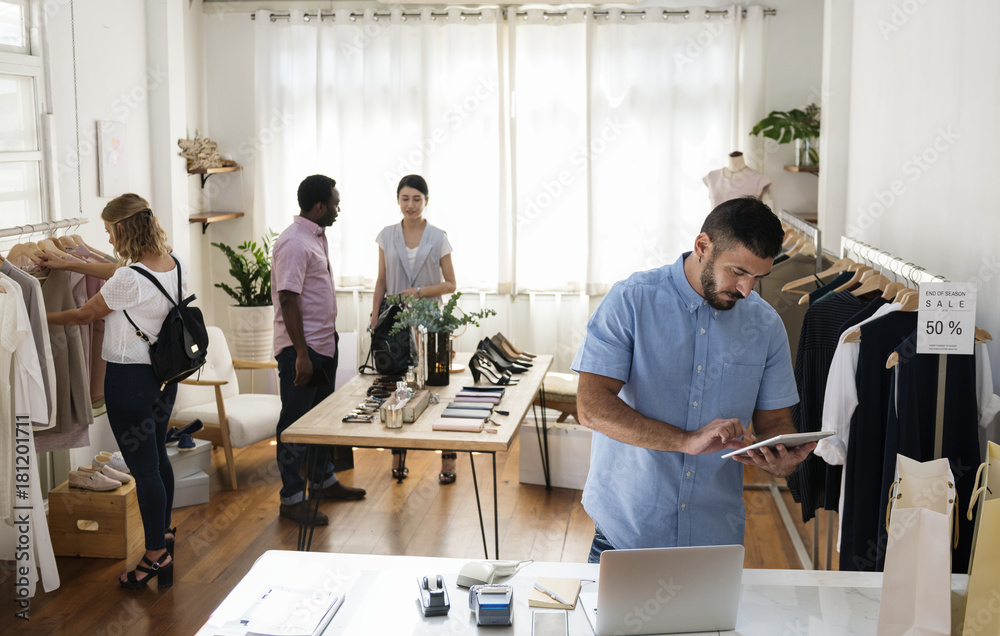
x=499, y=361
x=446, y=477
x=510, y=353
x=481, y=366
x=163, y=573
x=510, y=344
x=170, y=541
x=400, y=471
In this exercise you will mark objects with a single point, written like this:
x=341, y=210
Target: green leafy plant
x=251, y=267
x=428, y=313
x=785, y=127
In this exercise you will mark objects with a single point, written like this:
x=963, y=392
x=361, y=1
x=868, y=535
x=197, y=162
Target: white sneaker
x=92, y=481
x=114, y=461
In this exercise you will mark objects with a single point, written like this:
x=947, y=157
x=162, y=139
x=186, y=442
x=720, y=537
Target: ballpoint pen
x=544, y=590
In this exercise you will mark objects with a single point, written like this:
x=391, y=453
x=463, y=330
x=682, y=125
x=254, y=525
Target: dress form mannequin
x=736, y=163
x=736, y=180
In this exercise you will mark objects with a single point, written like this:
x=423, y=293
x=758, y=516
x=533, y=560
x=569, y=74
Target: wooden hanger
x=876, y=282
x=50, y=245
x=861, y=269
x=791, y=238
x=891, y=289
x=28, y=250
x=67, y=241
x=838, y=266
x=799, y=246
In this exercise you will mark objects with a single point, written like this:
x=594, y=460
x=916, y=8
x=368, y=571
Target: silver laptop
x=666, y=591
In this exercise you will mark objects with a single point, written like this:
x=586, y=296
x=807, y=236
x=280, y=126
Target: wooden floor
x=219, y=541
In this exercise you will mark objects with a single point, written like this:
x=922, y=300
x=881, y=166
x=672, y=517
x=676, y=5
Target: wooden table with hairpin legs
x=323, y=426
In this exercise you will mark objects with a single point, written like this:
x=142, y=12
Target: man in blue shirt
x=675, y=364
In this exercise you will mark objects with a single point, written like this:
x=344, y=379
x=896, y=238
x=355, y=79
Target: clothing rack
x=884, y=260
x=43, y=227
x=916, y=275
x=812, y=232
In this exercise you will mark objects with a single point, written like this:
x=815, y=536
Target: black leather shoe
x=338, y=490
x=301, y=513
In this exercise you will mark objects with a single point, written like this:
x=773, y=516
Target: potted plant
x=800, y=126
x=252, y=317
x=439, y=321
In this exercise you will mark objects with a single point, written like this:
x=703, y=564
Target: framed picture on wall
x=112, y=169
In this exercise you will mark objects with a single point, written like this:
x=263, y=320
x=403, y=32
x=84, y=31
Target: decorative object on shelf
x=439, y=321
x=252, y=317
x=202, y=153
x=800, y=126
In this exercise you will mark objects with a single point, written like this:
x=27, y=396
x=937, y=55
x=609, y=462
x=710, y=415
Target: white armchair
x=232, y=419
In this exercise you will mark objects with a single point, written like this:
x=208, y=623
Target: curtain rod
x=597, y=13
x=44, y=226
x=913, y=273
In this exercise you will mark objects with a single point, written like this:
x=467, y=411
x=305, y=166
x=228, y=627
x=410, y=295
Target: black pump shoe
x=481, y=366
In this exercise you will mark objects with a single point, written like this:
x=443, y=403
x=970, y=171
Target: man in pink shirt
x=305, y=338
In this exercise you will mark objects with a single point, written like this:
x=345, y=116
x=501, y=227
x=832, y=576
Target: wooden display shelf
x=212, y=217
x=812, y=169
x=205, y=173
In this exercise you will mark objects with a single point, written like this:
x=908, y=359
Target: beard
x=723, y=301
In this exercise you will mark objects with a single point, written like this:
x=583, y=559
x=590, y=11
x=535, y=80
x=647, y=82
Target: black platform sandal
x=170, y=542
x=400, y=472
x=445, y=478
x=164, y=574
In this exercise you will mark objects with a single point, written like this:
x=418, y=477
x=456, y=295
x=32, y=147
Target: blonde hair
x=136, y=231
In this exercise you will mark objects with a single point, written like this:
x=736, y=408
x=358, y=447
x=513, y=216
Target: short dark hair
x=315, y=189
x=745, y=221
x=414, y=181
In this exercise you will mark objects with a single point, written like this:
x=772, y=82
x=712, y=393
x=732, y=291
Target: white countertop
x=381, y=596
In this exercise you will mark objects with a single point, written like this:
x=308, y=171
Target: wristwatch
x=418, y=292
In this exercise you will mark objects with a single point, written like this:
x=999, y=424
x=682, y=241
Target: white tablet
x=790, y=440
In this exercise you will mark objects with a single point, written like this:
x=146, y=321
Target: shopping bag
x=916, y=583
x=982, y=598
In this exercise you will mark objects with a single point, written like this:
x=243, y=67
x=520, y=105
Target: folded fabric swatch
x=465, y=413
x=476, y=406
x=483, y=399
x=459, y=424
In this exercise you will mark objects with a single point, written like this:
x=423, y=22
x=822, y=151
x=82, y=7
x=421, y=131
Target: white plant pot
x=252, y=333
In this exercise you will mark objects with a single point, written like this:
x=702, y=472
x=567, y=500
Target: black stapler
x=433, y=595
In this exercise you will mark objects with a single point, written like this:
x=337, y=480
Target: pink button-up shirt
x=301, y=264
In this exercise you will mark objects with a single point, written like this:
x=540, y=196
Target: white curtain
x=601, y=145
x=618, y=118
x=369, y=99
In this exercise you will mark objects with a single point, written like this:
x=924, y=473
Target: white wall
x=110, y=36
x=923, y=123
x=130, y=67
x=793, y=58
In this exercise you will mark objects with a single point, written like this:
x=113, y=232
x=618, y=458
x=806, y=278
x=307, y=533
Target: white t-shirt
x=146, y=305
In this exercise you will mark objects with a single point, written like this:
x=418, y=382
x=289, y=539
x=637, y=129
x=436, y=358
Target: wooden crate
x=414, y=406
x=95, y=524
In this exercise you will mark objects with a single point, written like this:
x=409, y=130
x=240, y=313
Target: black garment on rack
x=866, y=313
x=815, y=483
x=818, y=293
x=859, y=520
x=911, y=426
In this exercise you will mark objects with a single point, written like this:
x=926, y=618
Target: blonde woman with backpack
x=138, y=409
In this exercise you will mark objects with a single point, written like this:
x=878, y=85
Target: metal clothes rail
x=43, y=227
x=465, y=13
x=809, y=230
x=886, y=261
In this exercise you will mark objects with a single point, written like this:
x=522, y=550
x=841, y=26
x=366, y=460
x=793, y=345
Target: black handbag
x=388, y=355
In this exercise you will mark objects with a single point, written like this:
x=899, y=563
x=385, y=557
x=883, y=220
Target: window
x=21, y=171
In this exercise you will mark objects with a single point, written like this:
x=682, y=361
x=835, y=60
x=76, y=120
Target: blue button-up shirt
x=686, y=364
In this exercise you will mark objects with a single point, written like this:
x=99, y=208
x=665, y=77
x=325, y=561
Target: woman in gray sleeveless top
x=414, y=258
